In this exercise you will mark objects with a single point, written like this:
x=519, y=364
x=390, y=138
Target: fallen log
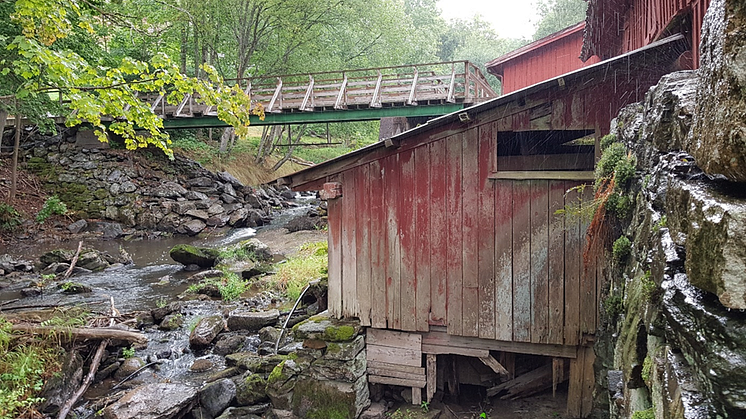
x=525, y=385
x=77, y=333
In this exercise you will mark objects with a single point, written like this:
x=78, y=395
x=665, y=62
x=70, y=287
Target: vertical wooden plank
x=587, y=277
x=575, y=386
x=504, y=260
x=522, y=261
x=573, y=260
x=377, y=247
x=393, y=249
x=539, y=261
x=407, y=240
x=422, y=239
x=438, y=233
x=589, y=381
x=362, y=238
x=556, y=263
x=334, y=208
x=455, y=234
x=416, y=396
x=349, y=251
x=486, y=224
x=431, y=373
x=470, y=200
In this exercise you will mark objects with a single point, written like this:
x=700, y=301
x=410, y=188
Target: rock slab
x=153, y=401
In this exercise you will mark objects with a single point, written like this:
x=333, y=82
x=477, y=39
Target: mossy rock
x=250, y=389
x=317, y=400
x=323, y=328
x=253, y=362
x=192, y=255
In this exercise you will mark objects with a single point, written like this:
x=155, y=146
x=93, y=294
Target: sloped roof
x=650, y=55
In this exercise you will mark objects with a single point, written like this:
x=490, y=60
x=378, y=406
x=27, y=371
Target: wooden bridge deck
x=417, y=90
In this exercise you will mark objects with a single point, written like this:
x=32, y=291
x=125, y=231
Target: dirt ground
x=540, y=406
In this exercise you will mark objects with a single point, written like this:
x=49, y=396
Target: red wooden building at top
x=611, y=28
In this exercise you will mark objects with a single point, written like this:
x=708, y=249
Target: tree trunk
x=183, y=48
x=72, y=333
x=14, y=169
x=3, y=120
x=291, y=146
x=225, y=139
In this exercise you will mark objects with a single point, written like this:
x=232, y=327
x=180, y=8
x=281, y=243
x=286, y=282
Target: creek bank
x=671, y=344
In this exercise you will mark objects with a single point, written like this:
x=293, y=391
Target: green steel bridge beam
x=349, y=115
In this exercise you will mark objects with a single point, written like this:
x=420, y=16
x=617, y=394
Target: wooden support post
x=558, y=373
x=416, y=396
x=580, y=391
x=431, y=372
x=507, y=359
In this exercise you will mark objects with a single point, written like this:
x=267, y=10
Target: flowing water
x=151, y=279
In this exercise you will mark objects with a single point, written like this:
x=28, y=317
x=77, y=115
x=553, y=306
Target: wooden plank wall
x=426, y=238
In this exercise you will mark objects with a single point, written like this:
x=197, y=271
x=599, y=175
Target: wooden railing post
x=309, y=95
x=452, y=85
x=413, y=91
x=342, y=95
x=376, y=101
x=277, y=95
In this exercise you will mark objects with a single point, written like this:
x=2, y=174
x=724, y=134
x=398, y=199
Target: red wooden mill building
x=445, y=242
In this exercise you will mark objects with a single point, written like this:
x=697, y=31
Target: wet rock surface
x=153, y=401
x=719, y=132
x=672, y=327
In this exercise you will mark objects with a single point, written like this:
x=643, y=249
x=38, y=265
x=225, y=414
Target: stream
x=154, y=278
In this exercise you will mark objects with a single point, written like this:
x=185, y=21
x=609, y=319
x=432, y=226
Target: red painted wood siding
x=549, y=61
x=426, y=238
x=643, y=22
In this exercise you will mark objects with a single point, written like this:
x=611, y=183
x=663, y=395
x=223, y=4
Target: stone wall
x=144, y=190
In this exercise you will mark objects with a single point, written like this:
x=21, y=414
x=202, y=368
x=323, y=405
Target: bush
x=310, y=263
x=644, y=414
x=621, y=249
x=52, y=205
x=9, y=217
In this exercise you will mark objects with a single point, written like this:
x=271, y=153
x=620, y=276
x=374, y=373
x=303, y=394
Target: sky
x=510, y=18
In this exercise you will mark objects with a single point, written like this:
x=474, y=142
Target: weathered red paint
x=541, y=60
x=641, y=22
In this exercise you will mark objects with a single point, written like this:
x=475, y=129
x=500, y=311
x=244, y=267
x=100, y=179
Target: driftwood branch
x=74, y=261
x=80, y=333
x=94, y=366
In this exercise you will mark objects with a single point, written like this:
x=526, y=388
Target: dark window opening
x=546, y=151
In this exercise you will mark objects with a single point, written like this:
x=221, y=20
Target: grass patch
x=230, y=286
x=310, y=263
x=25, y=364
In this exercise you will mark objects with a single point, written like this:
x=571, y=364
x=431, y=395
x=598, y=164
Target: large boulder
x=250, y=389
x=192, y=255
x=252, y=320
x=154, y=401
x=330, y=399
x=719, y=133
x=205, y=332
x=714, y=224
x=215, y=397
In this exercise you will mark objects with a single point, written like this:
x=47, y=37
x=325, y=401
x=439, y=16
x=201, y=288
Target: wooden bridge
x=356, y=95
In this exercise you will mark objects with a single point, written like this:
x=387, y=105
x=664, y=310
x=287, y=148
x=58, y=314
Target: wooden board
x=522, y=261
x=432, y=375
x=393, y=258
x=397, y=367
x=580, y=389
x=378, y=247
x=455, y=234
x=556, y=263
x=438, y=234
x=362, y=238
x=486, y=231
x=410, y=357
x=408, y=240
x=335, y=257
x=573, y=263
x=539, y=261
x=444, y=339
x=394, y=339
x=422, y=202
x=504, y=260
x=454, y=350
x=377, y=379
x=349, y=246
x=395, y=373
x=588, y=308
x=470, y=200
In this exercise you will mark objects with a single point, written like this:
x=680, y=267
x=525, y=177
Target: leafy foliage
x=621, y=249
x=52, y=205
x=556, y=15
x=9, y=217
